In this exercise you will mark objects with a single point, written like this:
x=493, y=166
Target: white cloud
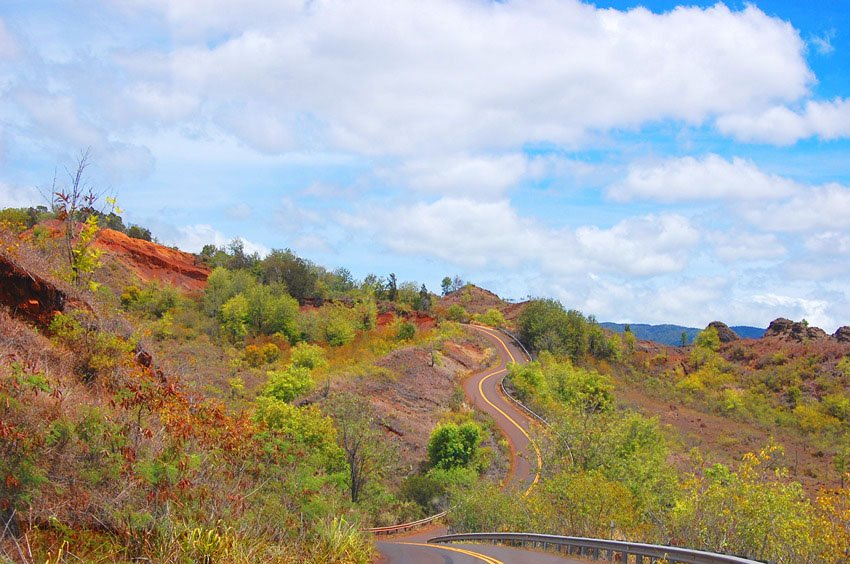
x=829, y=243
x=795, y=307
x=294, y=218
x=313, y=244
x=814, y=208
x=16, y=196
x=192, y=238
x=58, y=117
x=459, y=230
x=710, y=177
x=151, y=101
x=485, y=176
x=823, y=43
x=482, y=234
x=393, y=77
x=738, y=246
x=780, y=125
x=643, y=246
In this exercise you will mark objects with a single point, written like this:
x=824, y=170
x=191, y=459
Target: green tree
x=271, y=310
x=138, y=232
x=708, y=339
x=493, y=317
x=446, y=285
x=339, y=326
x=586, y=503
x=544, y=325
x=366, y=451
x=298, y=275
x=234, y=317
x=424, y=301
x=392, y=287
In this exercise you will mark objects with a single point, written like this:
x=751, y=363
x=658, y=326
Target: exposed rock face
x=794, y=331
x=28, y=295
x=724, y=332
x=842, y=335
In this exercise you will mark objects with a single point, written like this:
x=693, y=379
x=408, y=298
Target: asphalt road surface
x=483, y=390
x=418, y=553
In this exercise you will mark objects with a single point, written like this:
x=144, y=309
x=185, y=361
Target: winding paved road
x=483, y=390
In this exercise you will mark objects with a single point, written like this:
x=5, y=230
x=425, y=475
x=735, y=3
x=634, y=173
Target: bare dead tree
x=73, y=203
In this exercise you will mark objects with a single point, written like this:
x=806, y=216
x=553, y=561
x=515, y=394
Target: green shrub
x=493, y=318
x=453, y=446
x=405, y=331
x=286, y=385
x=457, y=312
x=306, y=355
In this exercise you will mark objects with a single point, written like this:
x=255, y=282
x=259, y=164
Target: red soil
x=153, y=262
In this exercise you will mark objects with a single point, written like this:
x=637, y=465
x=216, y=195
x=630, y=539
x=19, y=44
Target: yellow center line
x=508, y=417
x=483, y=557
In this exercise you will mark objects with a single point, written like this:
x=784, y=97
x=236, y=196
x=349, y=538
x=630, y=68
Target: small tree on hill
x=392, y=287
x=77, y=203
x=366, y=452
x=446, y=285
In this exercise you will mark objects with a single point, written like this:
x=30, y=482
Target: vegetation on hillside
x=227, y=425
x=231, y=445
x=607, y=473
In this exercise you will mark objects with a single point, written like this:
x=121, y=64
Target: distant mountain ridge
x=672, y=334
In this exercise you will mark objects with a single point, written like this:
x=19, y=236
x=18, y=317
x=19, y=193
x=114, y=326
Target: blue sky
x=642, y=162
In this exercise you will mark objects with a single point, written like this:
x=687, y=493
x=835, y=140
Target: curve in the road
x=482, y=557
x=484, y=390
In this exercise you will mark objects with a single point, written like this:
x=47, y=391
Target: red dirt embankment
x=153, y=262
x=28, y=295
x=423, y=321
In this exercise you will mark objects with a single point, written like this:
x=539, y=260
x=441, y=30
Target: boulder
x=842, y=335
x=724, y=332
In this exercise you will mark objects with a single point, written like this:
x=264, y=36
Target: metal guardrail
x=405, y=526
x=517, y=341
x=522, y=406
x=620, y=551
x=509, y=395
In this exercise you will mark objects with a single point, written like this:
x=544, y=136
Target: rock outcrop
x=724, y=332
x=794, y=331
x=842, y=334
x=27, y=294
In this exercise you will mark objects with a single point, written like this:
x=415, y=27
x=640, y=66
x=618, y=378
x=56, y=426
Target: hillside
x=672, y=334
x=166, y=396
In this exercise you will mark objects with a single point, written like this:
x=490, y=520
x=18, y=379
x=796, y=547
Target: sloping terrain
x=789, y=386
x=477, y=301
x=150, y=262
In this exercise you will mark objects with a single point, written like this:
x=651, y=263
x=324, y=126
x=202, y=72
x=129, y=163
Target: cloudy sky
x=640, y=161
